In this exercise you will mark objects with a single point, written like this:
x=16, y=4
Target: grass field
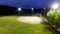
x=10, y=25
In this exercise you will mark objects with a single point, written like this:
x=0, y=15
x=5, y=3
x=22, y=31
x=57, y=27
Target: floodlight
x=19, y=9
x=55, y=6
x=32, y=8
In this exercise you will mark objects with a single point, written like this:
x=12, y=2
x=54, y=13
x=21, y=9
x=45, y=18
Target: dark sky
x=28, y=3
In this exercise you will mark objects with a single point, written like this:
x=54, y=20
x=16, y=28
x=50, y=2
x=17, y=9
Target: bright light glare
x=32, y=8
x=19, y=9
x=55, y=6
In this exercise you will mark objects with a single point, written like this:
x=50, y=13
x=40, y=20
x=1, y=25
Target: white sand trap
x=30, y=19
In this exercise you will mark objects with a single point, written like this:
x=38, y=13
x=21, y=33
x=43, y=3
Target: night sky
x=28, y=3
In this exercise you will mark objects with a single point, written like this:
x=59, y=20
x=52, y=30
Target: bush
x=54, y=18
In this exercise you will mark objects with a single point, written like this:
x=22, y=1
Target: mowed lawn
x=10, y=25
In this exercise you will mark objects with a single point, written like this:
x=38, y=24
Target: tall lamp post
x=32, y=11
x=19, y=10
x=44, y=11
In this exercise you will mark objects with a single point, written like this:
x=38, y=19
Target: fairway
x=10, y=25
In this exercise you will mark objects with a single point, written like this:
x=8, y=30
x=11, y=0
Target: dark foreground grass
x=10, y=25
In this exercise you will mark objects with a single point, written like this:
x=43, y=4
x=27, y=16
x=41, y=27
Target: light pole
x=19, y=11
x=44, y=11
x=32, y=11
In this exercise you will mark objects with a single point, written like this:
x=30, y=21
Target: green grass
x=10, y=25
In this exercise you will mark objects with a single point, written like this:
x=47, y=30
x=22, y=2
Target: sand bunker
x=30, y=19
